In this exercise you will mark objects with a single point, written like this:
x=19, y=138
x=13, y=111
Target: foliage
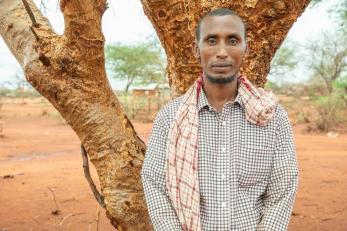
x=283, y=62
x=137, y=64
x=326, y=58
x=330, y=109
x=269, y=85
x=339, y=10
x=303, y=116
x=341, y=83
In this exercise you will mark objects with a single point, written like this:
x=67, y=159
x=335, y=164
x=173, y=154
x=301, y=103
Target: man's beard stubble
x=220, y=80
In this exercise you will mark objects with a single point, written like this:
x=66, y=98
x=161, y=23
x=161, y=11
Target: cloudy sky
x=125, y=22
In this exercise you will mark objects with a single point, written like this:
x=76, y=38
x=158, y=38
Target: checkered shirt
x=248, y=174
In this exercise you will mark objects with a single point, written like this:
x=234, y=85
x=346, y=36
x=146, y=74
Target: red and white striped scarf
x=182, y=147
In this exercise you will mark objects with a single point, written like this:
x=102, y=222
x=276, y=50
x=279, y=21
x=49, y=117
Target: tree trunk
x=69, y=70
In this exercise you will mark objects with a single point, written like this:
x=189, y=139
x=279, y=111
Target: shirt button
x=223, y=176
x=224, y=204
x=223, y=149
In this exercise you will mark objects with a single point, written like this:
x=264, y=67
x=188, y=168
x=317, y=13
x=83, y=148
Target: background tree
x=284, y=61
x=328, y=61
x=69, y=70
x=137, y=64
x=18, y=82
x=339, y=11
x=327, y=58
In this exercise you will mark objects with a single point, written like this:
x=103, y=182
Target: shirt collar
x=203, y=102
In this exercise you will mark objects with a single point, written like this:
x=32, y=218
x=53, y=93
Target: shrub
x=303, y=117
x=330, y=110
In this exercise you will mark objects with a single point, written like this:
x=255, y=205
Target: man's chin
x=220, y=79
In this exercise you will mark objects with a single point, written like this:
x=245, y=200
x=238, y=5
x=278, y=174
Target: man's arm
x=161, y=212
x=281, y=191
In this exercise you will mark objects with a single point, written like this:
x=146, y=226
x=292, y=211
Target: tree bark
x=69, y=70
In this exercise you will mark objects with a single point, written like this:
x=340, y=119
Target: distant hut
x=155, y=94
x=152, y=89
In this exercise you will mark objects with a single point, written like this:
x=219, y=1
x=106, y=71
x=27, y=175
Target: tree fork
x=58, y=68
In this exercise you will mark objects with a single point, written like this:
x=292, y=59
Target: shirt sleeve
x=280, y=193
x=160, y=210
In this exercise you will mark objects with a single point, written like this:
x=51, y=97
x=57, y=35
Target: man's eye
x=211, y=41
x=233, y=41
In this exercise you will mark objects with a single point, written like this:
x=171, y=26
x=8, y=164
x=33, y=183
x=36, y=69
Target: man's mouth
x=221, y=66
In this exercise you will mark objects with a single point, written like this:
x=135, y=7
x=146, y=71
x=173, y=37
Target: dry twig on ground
x=57, y=210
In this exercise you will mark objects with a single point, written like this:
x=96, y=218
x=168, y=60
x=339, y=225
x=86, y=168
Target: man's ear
x=196, y=51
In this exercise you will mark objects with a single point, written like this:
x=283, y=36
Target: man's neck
x=218, y=94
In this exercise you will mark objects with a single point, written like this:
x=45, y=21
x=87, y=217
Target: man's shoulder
x=167, y=113
x=280, y=115
x=172, y=106
x=280, y=112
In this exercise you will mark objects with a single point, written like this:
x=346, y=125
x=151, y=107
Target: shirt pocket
x=255, y=165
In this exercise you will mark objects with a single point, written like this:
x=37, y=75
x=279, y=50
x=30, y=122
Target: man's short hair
x=216, y=12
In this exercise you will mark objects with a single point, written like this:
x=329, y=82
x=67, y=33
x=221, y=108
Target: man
x=221, y=157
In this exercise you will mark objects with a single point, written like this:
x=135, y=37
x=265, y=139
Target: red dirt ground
x=43, y=153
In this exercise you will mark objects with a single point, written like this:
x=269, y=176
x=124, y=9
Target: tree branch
x=15, y=29
x=76, y=14
x=31, y=15
x=99, y=198
x=35, y=34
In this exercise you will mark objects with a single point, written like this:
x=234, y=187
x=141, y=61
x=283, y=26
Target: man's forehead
x=222, y=24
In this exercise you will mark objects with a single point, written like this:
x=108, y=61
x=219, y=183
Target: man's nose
x=222, y=51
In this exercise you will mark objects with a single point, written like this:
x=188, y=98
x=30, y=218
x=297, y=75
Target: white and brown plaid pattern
x=247, y=173
x=259, y=103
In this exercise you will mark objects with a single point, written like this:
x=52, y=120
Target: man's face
x=221, y=47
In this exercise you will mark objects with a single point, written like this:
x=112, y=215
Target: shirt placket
x=224, y=168
x=234, y=142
